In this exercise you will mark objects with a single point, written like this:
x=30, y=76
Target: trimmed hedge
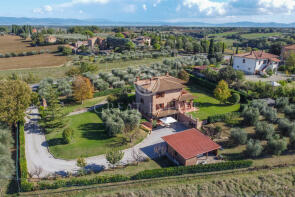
x=146, y=174
x=110, y=91
x=174, y=171
x=221, y=117
x=82, y=182
x=25, y=185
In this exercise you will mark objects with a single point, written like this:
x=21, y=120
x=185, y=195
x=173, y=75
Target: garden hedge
x=174, y=171
x=24, y=184
x=146, y=174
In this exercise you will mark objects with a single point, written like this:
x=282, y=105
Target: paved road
x=38, y=156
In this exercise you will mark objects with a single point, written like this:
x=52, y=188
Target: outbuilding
x=187, y=147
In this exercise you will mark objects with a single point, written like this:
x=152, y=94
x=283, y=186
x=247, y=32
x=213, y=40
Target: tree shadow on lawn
x=53, y=142
x=93, y=131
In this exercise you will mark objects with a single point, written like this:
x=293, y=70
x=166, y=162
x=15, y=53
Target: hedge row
x=222, y=117
x=174, y=171
x=82, y=182
x=21, y=54
x=146, y=174
x=25, y=185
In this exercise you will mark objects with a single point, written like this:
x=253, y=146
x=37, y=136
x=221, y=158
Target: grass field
x=260, y=35
x=261, y=182
x=89, y=138
x=207, y=104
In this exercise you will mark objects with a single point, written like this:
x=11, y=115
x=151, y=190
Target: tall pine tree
x=53, y=118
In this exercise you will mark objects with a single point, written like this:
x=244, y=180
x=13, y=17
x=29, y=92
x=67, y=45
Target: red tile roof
x=257, y=55
x=190, y=143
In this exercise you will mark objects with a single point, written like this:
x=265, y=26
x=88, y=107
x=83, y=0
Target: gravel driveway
x=39, y=158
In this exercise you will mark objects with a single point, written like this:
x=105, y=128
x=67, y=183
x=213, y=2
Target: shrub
x=264, y=130
x=183, y=75
x=114, y=126
x=253, y=148
x=270, y=114
x=250, y=115
x=282, y=102
x=292, y=141
x=114, y=156
x=276, y=145
x=285, y=126
x=174, y=171
x=235, y=98
x=238, y=136
x=290, y=111
x=67, y=135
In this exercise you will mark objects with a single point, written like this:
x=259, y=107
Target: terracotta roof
x=257, y=55
x=190, y=143
x=275, y=59
x=290, y=47
x=160, y=84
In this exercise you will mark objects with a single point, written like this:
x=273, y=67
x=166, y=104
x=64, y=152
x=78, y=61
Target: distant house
x=50, y=39
x=287, y=50
x=189, y=147
x=100, y=42
x=78, y=44
x=163, y=96
x=34, y=30
x=255, y=62
x=142, y=41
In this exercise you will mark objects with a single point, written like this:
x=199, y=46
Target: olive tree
x=264, y=130
x=238, y=136
x=253, y=148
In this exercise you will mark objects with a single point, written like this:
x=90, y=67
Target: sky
x=209, y=11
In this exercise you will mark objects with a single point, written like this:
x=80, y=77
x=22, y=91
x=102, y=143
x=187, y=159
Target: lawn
x=86, y=104
x=89, y=139
x=207, y=104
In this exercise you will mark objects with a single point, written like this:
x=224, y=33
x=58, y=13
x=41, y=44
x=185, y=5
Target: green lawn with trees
x=207, y=105
x=89, y=138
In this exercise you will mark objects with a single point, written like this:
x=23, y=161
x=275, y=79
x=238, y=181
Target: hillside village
x=133, y=104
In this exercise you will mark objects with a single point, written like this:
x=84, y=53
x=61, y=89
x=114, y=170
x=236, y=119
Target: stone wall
x=189, y=121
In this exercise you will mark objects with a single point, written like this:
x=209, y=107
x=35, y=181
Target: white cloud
x=75, y=2
x=48, y=8
x=131, y=8
x=277, y=5
x=38, y=10
x=81, y=11
x=144, y=7
x=207, y=6
x=156, y=3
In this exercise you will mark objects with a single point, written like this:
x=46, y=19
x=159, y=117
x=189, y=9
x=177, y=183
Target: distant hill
x=70, y=22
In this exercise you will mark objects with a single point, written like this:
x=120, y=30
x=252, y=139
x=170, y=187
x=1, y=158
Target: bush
x=238, y=136
x=24, y=184
x=250, y=115
x=253, y=148
x=290, y=111
x=174, y=171
x=270, y=114
x=235, y=98
x=228, y=117
x=276, y=145
x=285, y=126
x=67, y=135
x=264, y=130
x=292, y=141
x=282, y=102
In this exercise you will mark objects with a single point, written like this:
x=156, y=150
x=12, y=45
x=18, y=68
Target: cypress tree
x=211, y=49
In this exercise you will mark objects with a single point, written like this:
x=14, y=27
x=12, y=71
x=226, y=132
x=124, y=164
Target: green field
x=89, y=138
x=207, y=104
x=58, y=72
x=260, y=35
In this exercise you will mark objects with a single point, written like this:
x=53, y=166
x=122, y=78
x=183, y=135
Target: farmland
x=14, y=44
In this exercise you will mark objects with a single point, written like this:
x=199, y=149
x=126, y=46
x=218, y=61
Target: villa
x=287, y=50
x=142, y=41
x=190, y=147
x=50, y=39
x=256, y=62
x=163, y=96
